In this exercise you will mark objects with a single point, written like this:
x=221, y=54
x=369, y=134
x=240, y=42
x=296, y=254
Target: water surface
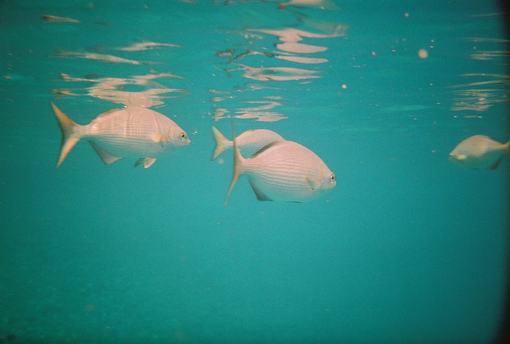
x=407, y=248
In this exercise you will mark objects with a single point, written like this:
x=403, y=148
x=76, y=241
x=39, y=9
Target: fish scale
x=120, y=133
x=283, y=171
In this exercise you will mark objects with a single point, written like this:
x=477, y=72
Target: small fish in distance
x=248, y=142
x=55, y=19
x=283, y=171
x=479, y=152
x=122, y=133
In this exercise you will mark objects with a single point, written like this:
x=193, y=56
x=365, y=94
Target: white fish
x=248, y=142
x=479, y=152
x=121, y=133
x=283, y=171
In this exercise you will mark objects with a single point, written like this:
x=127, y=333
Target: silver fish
x=479, y=152
x=248, y=142
x=283, y=171
x=121, y=133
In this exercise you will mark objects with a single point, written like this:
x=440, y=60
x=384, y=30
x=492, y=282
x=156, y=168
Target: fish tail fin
x=221, y=143
x=70, y=133
x=238, y=163
x=507, y=147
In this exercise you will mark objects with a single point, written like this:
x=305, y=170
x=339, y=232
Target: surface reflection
x=480, y=95
x=278, y=73
x=260, y=110
x=140, y=90
x=320, y=4
x=98, y=57
x=274, y=54
x=112, y=89
x=147, y=45
x=317, y=4
x=481, y=91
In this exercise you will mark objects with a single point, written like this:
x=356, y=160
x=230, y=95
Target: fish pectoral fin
x=158, y=138
x=260, y=195
x=314, y=184
x=496, y=164
x=106, y=156
x=146, y=162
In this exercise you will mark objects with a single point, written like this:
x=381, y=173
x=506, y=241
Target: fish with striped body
x=248, y=142
x=283, y=171
x=479, y=152
x=122, y=133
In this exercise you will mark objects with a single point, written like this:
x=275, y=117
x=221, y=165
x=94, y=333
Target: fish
x=248, y=142
x=480, y=152
x=122, y=133
x=283, y=171
x=55, y=19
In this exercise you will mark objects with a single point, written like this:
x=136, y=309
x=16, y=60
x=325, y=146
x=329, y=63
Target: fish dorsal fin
x=109, y=112
x=106, y=156
x=260, y=195
x=266, y=147
x=146, y=162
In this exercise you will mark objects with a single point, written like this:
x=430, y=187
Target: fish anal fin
x=260, y=195
x=146, y=162
x=106, y=156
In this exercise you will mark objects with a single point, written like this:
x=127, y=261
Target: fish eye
x=332, y=177
x=183, y=135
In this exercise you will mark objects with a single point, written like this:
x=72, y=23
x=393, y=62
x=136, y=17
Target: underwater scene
x=254, y=171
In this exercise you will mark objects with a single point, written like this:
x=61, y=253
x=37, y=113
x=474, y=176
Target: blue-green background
x=408, y=248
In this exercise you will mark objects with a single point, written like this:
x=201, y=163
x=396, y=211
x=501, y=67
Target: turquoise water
x=408, y=248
